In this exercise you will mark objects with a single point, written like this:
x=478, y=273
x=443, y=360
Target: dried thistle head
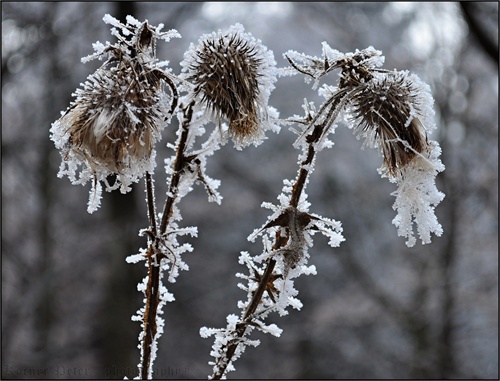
x=115, y=120
x=232, y=75
x=392, y=111
x=387, y=110
x=120, y=111
x=388, y=107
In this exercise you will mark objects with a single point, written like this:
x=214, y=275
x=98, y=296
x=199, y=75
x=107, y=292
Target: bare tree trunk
x=45, y=308
x=478, y=31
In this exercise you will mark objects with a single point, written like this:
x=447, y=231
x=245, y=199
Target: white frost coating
x=309, y=270
x=417, y=196
x=195, y=171
x=95, y=197
x=135, y=258
x=291, y=262
x=165, y=297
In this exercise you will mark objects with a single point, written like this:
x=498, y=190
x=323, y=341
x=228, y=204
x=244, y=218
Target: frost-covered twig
x=111, y=129
x=292, y=227
x=388, y=109
x=393, y=112
x=164, y=252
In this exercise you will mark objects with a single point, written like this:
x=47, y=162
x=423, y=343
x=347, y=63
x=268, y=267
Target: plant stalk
x=154, y=254
x=280, y=242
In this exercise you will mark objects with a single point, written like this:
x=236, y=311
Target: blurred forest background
x=376, y=309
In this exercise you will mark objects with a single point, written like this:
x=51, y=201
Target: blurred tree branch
x=478, y=29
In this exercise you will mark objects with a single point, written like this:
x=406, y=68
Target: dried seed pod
x=116, y=120
x=232, y=75
x=120, y=111
x=387, y=114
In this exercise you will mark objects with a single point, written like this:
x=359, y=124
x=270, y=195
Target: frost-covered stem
x=151, y=203
x=180, y=161
x=241, y=328
x=303, y=172
x=150, y=328
x=173, y=89
x=152, y=296
x=280, y=242
x=154, y=255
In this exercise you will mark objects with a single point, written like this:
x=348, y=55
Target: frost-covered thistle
x=393, y=112
x=385, y=109
x=231, y=76
x=119, y=113
x=118, y=116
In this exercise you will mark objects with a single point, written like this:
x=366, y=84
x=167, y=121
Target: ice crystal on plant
x=417, y=196
x=298, y=225
x=166, y=250
x=195, y=168
x=394, y=112
x=119, y=113
x=164, y=297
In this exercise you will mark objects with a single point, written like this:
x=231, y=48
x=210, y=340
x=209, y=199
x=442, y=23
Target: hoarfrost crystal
x=417, y=196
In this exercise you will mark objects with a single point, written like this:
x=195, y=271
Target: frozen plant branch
x=248, y=72
x=164, y=254
x=160, y=250
x=393, y=112
x=292, y=227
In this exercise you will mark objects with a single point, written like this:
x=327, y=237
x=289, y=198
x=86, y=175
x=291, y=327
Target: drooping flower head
x=118, y=115
x=388, y=111
x=393, y=112
x=232, y=75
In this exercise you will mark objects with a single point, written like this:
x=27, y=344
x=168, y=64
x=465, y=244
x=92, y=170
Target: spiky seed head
x=119, y=113
x=226, y=78
x=387, y=111
x=232, y=75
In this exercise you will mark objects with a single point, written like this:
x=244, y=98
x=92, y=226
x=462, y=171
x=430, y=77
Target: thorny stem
x=152, y=297
x=280, y=242
x=151, y=203
x=152, y=301
x=180, y=161
x=154, y=255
